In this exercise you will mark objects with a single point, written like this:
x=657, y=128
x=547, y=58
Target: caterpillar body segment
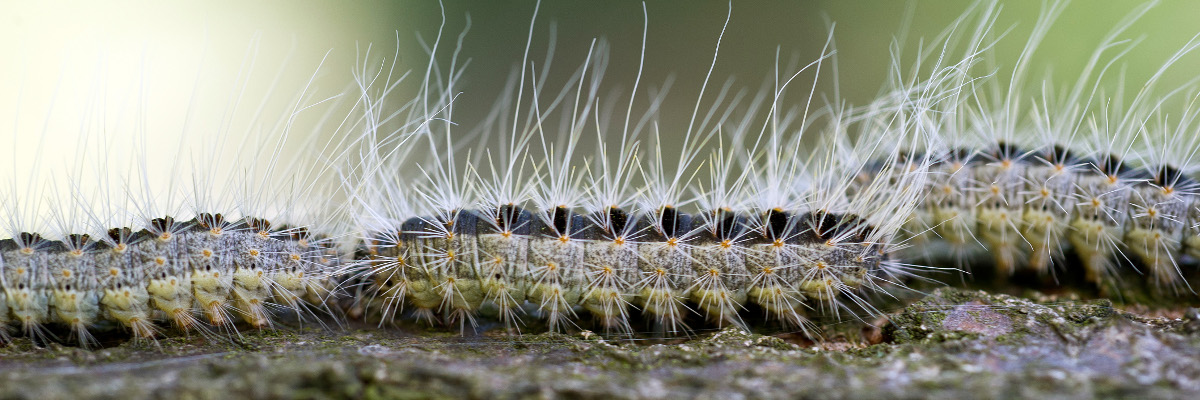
x=665, y=266
x=720, y=285
x=1045, y=221
x=612, y=258
x=951, y=204
x=453, y=256
x=74, y=279
x=124, y=296
x=27, y=290
x=248, y=284
x=1154, y=233
x=210, y=259
x=774, y=261
x=504, y=235
x=304, y=283
x=161, y=254
x=1099, y=216
x=556, y=270
x=1160, y=202
x=998, y=181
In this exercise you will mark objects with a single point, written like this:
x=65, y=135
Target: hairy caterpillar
x=995, y=177
x=523, y=230
x=141, y=246
x=1072, y=171
x=739, y=218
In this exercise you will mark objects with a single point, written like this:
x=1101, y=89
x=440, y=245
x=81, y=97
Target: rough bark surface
x=951, y=344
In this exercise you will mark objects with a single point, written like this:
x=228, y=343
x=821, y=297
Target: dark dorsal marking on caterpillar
x=463, y=222
x=673, y=223
x=669, y=225
x=52, y=246
x=561, y=217
x=824, y=227
x=78, y=241
x=123, y=236
x=162, y=225
x=618, y=220
x=1110, y=165
x=31, y=240
x=961, y=154
x=214, y=223
x=564, y=223
x=299, y=234
x=27, y=240
x=731, y=226
x=508, y=218
x=1058, y=155
x=778, y=225
x=1169, y=177
x=259, y=225
x=1005, y=151
x=667, y=218
x=413, y=228
x=611, y=223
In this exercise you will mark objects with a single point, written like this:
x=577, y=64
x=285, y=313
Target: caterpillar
x=144, y=246
x=992, y=176
x=624, y=237
x=1077, y=172
x=405, y=213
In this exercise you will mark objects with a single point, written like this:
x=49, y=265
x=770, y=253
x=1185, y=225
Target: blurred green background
x=80, y=74
x=682, y=35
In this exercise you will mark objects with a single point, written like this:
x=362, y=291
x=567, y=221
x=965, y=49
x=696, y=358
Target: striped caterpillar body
x=194, y=275
x=612, y=264
x=822, y=243
x=1029, y=206
x=520, y=228
x=1069, y=177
